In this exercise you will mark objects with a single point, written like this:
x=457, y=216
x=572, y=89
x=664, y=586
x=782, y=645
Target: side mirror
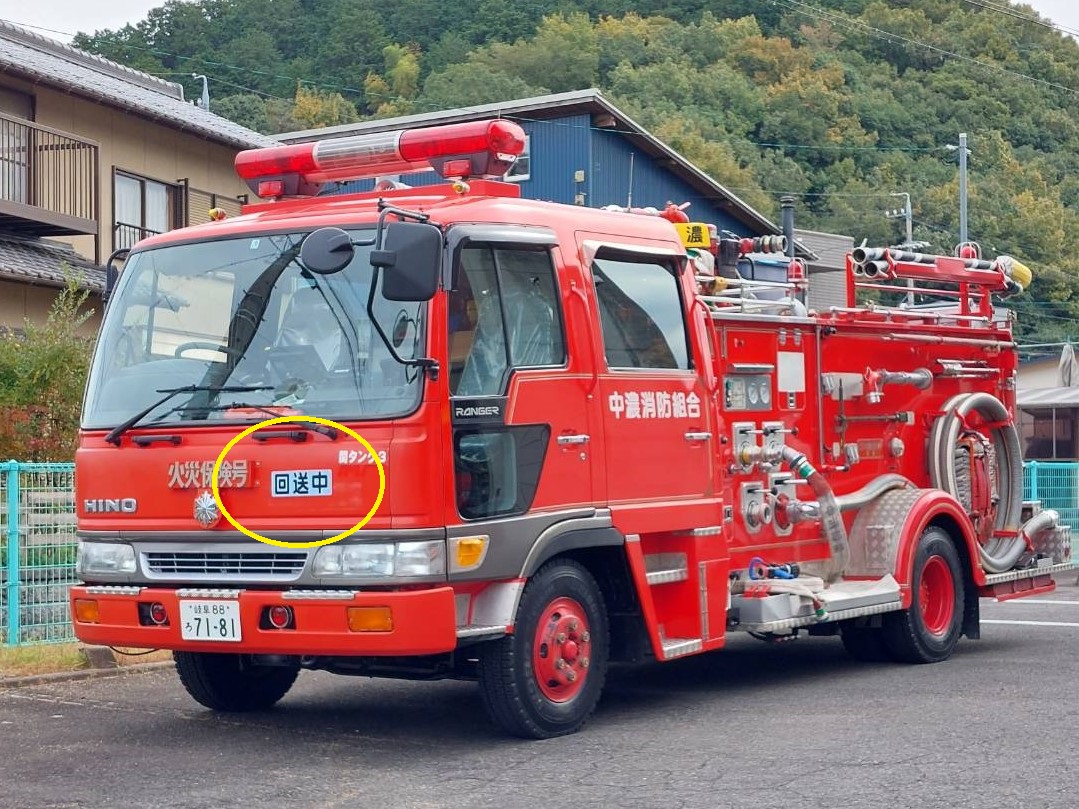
x=411, y=256
x=326, y=251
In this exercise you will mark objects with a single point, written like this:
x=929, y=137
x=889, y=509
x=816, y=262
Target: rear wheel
x=929, y=630
x=231, y=682
x=545, y=679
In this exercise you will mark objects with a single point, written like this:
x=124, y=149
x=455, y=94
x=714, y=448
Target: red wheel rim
x=936, y=596
x=562, y=650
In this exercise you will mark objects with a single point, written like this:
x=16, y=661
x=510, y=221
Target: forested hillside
x=842, y=103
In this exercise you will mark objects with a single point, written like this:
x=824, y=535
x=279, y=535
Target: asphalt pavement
x=755, y=725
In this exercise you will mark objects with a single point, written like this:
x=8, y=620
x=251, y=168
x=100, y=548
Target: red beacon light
x=472, y=149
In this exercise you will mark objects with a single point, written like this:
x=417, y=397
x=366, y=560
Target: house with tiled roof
x=94, y=156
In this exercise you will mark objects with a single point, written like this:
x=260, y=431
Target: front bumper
x=423, y=621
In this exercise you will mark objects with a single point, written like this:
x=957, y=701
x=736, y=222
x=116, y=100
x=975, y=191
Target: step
x=663, y=568
x=848, y=599
x=678, y=647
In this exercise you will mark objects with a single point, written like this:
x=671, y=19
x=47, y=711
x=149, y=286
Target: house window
x=522, y=169
x=142, y=208
x=15, y=145
x=1049, y=434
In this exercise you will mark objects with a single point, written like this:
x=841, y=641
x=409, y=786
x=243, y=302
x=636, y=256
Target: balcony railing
x=48, y=180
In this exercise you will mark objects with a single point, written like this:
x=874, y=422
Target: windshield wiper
x=114, y=435
x=325, y=429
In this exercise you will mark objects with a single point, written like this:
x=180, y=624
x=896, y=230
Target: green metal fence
x=37, y=551
x=1056, y=485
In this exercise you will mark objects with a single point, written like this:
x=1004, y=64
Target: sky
x=70, y=16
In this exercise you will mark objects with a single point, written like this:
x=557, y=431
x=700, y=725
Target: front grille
x=269, y=564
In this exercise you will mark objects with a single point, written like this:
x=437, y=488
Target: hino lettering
x=121, y=505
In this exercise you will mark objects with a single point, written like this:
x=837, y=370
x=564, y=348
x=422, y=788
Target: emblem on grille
x=206, y=511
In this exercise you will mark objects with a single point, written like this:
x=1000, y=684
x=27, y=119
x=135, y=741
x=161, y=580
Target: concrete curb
x=83, y=674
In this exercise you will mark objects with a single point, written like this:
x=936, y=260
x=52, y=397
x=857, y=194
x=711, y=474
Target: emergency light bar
x=472, y=149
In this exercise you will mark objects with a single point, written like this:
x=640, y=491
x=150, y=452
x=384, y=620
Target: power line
x=816, y=12
x=1012, y=12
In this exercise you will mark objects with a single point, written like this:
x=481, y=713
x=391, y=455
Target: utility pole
x=906, y=213
x=964, y=153
x=962, y=187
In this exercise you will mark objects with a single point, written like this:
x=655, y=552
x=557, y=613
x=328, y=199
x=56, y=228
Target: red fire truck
x=598, y=444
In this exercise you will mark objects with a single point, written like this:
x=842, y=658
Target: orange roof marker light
x=472, y=149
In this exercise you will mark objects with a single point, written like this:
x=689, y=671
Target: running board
x=663, y=568
x=782, y=612
x=679, y=647
x=1030, y=572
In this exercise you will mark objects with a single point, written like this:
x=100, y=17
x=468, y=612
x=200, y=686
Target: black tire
x=231, y=682
x=929, y=631
x=865, y=644
x=518, y=697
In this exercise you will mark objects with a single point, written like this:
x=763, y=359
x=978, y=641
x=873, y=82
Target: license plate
x=210, y=620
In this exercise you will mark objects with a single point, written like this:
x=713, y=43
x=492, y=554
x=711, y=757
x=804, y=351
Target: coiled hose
x=998, y=554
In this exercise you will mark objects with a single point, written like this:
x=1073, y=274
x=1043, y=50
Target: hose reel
x=974, y=455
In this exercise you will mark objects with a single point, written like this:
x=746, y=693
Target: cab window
x=641, y=313
x=503, y=314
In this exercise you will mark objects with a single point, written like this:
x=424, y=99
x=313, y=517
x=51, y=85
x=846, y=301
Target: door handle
x=692, y=436
x=566, y=440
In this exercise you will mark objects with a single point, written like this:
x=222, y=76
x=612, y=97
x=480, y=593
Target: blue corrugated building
x=582, y=150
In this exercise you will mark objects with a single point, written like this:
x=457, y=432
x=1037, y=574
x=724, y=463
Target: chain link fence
x=1056, y=485
x=37, y=551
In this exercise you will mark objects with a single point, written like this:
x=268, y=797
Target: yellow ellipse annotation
x=286, y=420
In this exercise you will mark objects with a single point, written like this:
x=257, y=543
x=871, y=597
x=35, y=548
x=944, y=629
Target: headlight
x=381, y=559
x=102, y=557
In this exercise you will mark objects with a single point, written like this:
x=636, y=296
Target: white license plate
x=210, y=620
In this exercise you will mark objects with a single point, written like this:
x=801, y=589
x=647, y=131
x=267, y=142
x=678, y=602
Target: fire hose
x=998, y=553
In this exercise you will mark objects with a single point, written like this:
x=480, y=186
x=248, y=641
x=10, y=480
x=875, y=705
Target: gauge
x=736, y=393
x=766, y=393
x=753, y=394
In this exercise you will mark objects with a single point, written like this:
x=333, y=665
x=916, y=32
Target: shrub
x=42, y=374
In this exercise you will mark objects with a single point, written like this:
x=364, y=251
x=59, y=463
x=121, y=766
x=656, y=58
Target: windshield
x=244, y=313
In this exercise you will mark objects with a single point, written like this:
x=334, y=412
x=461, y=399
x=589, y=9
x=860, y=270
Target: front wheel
x=545, y=679
x=929, y=630
x=232, y=682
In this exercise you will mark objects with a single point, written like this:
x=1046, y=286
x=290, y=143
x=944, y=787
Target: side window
x=641, y=313
x=503, y=313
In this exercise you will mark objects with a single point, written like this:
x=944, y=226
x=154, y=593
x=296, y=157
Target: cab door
x=658, y=425
x=521, y=434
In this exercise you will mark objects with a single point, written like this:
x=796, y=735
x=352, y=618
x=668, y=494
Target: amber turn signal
x=86, y=611
x=370, y=619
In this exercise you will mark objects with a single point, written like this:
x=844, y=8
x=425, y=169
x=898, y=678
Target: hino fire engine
x=591, y=439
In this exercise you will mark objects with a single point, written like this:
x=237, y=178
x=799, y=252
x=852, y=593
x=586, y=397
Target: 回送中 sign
x=301, y=483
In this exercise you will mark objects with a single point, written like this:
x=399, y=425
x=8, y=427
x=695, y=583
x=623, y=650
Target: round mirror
x=326, y=251
x=400, y=330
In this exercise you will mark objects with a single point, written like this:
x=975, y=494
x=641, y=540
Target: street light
x=964, y=152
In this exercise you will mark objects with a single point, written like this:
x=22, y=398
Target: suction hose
x=830, y=518
x=998, y=554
